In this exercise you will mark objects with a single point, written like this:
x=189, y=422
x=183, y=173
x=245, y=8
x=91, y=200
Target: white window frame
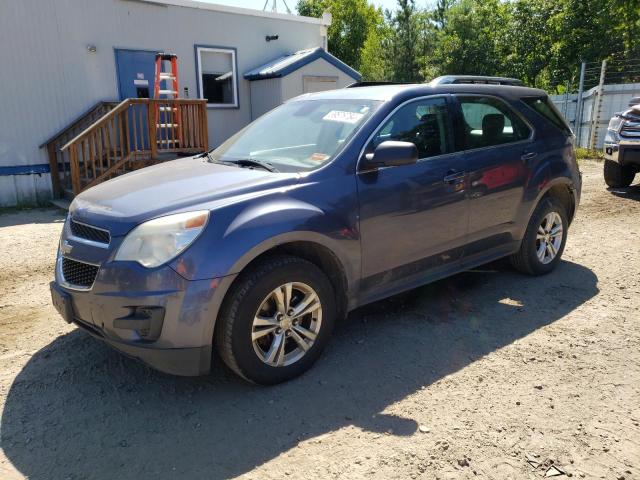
x=234, y=69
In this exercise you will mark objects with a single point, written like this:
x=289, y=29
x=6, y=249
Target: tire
x=527, y=259
x=616, y=175
x=253, y=293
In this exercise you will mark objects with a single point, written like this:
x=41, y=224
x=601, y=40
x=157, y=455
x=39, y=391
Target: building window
x=217, y=74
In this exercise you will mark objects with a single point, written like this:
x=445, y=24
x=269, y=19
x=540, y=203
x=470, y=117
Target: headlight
x=159, y=240
x=614, y=123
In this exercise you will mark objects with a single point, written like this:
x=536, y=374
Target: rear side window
x=544, y=107
x=489, y=122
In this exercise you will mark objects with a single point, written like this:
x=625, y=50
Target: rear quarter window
x=544, y=107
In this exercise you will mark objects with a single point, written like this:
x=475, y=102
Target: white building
x=59, y=59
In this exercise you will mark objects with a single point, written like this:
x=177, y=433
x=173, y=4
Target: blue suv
x=331, y=201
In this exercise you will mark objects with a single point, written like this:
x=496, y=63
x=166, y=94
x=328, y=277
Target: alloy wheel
x=286, y=324
x=549, y=237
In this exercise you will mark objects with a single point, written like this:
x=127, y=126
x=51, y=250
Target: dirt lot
x=488, y=374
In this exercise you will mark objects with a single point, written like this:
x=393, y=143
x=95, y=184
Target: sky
x=259, y=4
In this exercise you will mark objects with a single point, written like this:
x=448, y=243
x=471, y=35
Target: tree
x=440, y=12
x=375, y=58
x=352, y=20
x=311, y=8
x=531, y=36
x=473, y=38
x=404, y=43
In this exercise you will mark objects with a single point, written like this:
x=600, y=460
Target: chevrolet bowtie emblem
x=66, y=247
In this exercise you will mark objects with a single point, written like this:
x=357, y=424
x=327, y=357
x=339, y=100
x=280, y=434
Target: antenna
x=274, y=6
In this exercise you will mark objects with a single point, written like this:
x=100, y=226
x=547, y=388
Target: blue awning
x=283, y=66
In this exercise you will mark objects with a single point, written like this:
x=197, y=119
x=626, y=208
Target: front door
x=136, y=74
x=136, y=70
x=497, y=143
x=413, y=218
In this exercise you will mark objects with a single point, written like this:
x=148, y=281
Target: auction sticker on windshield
x=343, y=117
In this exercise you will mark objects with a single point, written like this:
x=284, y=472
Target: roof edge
x=234, y=10
x=318, y=53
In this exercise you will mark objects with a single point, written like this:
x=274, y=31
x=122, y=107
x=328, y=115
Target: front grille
x=630, y=129
x=89, y=233
x=78, y=273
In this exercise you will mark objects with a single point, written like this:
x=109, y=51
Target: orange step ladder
x=169, y=118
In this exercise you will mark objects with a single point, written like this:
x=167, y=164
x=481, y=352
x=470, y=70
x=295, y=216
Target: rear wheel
x=544, y=240
x=616, y=175
x=276, y=320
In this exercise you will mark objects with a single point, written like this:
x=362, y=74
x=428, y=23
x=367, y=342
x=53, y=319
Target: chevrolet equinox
x=331, y=201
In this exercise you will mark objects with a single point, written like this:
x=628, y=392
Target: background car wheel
x=615, y=175
x=276, y=320
x=544, y=240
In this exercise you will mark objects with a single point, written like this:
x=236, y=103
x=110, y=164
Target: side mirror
x=391, y=154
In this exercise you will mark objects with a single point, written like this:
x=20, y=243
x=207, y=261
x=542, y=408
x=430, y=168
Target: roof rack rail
x=372, y=84
x=476, y=79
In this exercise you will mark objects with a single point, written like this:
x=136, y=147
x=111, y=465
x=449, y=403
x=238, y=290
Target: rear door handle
x=454, y=177
x=528, y=156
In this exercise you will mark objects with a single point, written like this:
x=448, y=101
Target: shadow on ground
x=632, y=192
x=10, y=217
x=80, y=410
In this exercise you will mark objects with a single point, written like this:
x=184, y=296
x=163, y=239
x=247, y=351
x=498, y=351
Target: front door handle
x=528, y=156
x=453, y=177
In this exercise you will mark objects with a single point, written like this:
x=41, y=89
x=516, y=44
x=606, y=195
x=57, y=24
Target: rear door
x=497, y=143
x=413, y=218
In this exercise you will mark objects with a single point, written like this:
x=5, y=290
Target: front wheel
x=276, y=320
x=616, y=175
x=544, y=239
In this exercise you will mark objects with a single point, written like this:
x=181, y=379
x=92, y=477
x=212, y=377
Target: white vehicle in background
x=622, y=146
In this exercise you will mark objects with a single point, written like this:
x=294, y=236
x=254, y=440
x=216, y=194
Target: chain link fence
x=603, y=89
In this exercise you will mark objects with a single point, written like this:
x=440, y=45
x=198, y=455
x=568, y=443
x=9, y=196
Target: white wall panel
x=50, y=77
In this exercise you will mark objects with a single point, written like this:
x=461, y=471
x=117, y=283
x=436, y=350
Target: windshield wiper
x=242, y=162
x=250, y=162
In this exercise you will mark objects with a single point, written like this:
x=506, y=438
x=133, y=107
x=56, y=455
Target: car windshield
x=297, y=136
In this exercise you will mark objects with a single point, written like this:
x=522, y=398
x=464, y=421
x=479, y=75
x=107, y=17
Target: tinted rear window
x=544, y=107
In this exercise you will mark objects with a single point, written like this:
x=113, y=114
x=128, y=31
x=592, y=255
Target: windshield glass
x=297, y=136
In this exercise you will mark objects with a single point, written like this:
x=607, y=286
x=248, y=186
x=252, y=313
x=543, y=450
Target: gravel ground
x=487, y=374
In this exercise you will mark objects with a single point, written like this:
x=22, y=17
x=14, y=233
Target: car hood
x=178, y=185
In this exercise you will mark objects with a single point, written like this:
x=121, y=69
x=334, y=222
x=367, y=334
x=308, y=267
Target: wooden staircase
x=132, y=134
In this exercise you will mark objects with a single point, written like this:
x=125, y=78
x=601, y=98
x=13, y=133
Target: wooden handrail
x=132, y=135
x=101, y=121
x=79, y=119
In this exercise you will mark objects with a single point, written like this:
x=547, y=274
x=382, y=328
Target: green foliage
x=473, y=39
x=312, y=8
x=586, y=153
x=352, y=20
x=374, y=62
x=541, y=42
x=404, y=42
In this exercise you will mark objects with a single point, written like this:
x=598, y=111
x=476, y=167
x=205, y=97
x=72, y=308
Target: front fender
x=240, y=233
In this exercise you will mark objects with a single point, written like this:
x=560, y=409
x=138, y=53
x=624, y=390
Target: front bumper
x=155, y=315
x=623, y=152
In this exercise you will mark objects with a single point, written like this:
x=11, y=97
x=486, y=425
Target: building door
x=136, y=72
x=312, y=84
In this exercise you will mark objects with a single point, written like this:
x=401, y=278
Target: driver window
x=424, y=123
